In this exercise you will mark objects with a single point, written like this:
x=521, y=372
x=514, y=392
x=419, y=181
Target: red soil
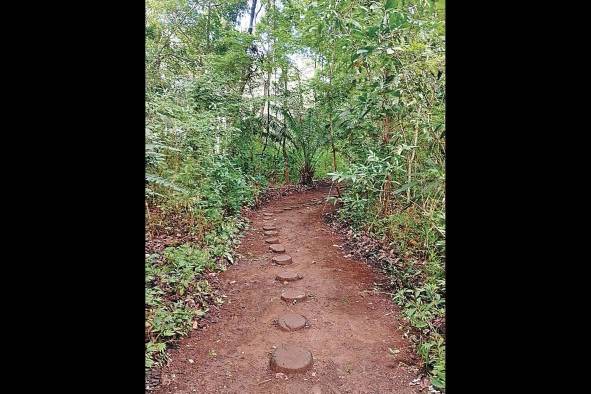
x=351, y=326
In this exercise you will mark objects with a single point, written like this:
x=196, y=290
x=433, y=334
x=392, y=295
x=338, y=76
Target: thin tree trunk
x=330, y=124
x=269, y=98
x=387, y=125
x=285, y=157
x=207, y=28
x=266, y=95
x=285, y=163
x=410, y=161
x=252, y=13
x=250, y=27
x=388, y=181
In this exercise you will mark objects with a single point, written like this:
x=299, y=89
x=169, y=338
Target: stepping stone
x=269, y=227
x=288, y=276
x=290, y=358
x=267, y=214
x=287, y=209
x=271, y=232
x=283, y=259
x=291, y=322
x=272, y=240
x=293, y=295
x=277, y=248
x=316, y=389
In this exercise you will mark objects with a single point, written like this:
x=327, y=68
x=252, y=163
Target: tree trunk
x=330, y=125
x=266, y=95
x=285, y=163
x=207, y=28
x=248, y=71
x=388, y=181
x=269, y=98
x=252, y=13
x=334, y=154
x=410, y=161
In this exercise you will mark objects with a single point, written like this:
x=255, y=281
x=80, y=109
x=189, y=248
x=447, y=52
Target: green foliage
x=365, y=182
x=227, y=188
x=154, y=351
x=228, y=113
x=184, y=263
x=388, y=92
x=170, y=278
x=172, y=321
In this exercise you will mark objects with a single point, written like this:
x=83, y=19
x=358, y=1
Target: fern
x=159, y=181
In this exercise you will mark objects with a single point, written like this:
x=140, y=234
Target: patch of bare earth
x=349, y=327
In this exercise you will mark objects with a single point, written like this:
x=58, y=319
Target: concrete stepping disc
x=269, y=227
x=272, y=240
x=291, y=322
x=291, y=295
x=271, y=232
x=283, y=259
x=290, y=359
x=289, y=276
x=277, y=248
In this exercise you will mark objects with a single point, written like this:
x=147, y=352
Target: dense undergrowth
x=349, y=89
x=189, y=237
x=409, y=246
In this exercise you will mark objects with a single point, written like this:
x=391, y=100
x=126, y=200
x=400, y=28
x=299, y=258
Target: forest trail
x=350, y=326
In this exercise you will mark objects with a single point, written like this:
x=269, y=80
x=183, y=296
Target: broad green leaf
x=391, y=4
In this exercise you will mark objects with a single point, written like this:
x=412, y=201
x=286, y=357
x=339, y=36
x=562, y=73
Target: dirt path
x=350, y=327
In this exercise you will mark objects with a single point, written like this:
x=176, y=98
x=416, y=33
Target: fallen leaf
x=394, y=351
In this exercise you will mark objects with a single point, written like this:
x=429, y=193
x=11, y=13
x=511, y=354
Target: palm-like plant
x=307, y=140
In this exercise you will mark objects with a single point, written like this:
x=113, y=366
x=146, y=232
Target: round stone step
x=288, y=276
x=271, y=232
x=293, y=295
x=277, y=248
x=290, y=358
x=291, y=322
x=272, y=240
x=282, y=259
x=268, y=227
